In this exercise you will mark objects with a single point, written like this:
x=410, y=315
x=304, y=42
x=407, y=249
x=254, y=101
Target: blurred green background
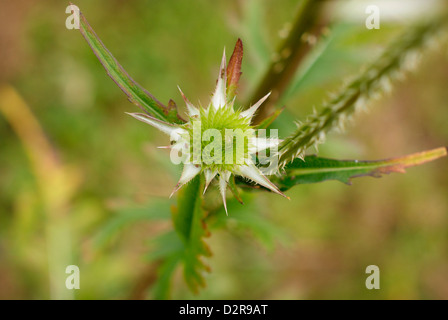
x=77, y=174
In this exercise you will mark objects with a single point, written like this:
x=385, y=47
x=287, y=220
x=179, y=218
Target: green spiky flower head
x=222, y=139
x=218, y=140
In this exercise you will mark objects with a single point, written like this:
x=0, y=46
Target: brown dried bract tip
x=234, y=69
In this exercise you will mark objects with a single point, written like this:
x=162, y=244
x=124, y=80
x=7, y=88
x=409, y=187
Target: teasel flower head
x=218, y=141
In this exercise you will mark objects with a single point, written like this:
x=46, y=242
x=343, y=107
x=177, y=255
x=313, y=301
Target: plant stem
x=402, y=55
x=288, y=57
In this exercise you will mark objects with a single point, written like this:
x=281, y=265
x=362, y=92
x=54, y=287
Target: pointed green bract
x=314, y=169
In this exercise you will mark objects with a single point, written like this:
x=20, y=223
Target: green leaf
x=167, y=255
x=189, y=224
x=136, y=94
x=314, y=169
x=162, y=287
x=185, y=245
x=165, y=245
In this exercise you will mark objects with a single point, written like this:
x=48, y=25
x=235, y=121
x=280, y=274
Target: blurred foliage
x=315, y=246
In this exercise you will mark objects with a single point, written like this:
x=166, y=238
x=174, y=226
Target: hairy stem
x=402, y=55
